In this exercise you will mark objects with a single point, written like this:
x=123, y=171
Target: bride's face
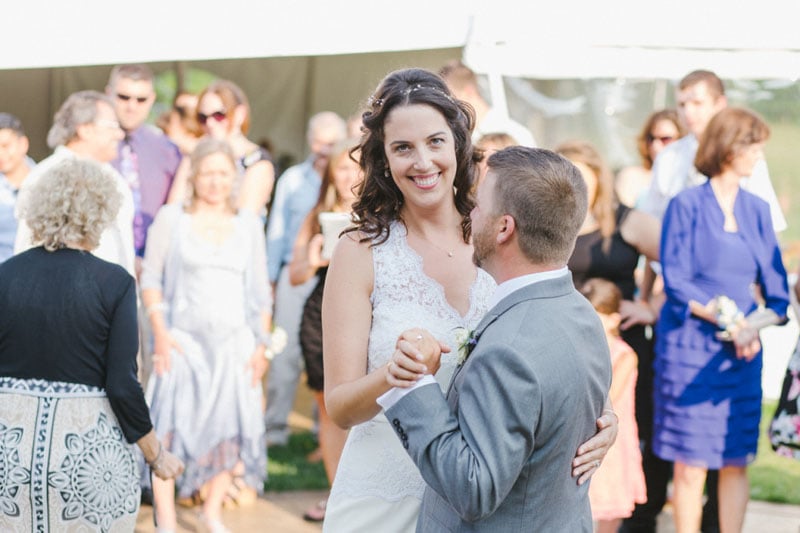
x=420, y=150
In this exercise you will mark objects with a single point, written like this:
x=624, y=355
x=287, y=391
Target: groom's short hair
x=546, y=195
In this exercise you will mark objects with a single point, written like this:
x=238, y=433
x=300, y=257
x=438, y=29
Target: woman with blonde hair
x=223, y=113
x=70, y=400
x=205, y=291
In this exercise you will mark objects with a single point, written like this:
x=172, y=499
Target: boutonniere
x=466, y=341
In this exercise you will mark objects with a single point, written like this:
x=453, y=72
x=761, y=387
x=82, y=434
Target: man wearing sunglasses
x=147, y=159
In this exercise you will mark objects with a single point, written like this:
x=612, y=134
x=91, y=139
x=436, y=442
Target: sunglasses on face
x=127, y=97
x=665, y=139
x=218, y=116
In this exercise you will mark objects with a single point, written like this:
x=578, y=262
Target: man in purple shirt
x=147, y=159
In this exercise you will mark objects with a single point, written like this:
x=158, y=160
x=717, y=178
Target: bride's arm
x=350, y=392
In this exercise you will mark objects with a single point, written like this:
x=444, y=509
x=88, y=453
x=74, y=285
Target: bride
x=408, y=262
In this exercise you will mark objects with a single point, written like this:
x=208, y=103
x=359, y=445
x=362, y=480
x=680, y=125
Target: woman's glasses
x=218, y=116
x=664, y=139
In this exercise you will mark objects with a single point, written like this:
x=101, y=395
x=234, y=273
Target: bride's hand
x=422, y=345
x=417, y=353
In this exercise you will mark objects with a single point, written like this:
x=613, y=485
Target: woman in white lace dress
x=408, y=263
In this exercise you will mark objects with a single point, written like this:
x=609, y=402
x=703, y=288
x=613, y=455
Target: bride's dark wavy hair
x=379, y=199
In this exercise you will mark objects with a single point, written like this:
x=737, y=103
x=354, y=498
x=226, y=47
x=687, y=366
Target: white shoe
x=213, y=525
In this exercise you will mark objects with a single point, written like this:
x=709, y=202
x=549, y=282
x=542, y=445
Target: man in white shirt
x=463, y=83
x=701, y=95
x=86, y=127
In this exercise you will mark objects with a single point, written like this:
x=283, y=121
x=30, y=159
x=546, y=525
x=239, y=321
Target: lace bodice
x=404, y=297
x=373, y=463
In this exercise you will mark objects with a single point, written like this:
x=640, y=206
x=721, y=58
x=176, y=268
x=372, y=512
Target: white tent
x=295, y=58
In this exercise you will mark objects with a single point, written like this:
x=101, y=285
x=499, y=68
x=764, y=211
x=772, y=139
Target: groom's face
x=483, y=218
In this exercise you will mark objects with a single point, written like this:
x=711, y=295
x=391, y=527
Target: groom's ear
x=507, y=226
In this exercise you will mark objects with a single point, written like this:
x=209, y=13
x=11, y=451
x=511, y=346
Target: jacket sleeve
x=678, y=248
x=772, y=273
x=474, y=458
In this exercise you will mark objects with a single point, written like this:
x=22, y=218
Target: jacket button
x=396, y=422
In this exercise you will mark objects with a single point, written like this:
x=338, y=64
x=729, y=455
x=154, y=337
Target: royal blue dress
x=708, y=402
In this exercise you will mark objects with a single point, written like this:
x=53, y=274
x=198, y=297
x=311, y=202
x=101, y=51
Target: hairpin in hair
x=376, y=102
x=419, y=86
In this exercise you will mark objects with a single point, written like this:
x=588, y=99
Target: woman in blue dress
x=720, y=257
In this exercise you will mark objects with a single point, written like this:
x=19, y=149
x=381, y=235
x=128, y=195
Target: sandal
x=317, y=512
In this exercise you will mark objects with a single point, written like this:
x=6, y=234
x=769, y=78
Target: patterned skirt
x=64, y=463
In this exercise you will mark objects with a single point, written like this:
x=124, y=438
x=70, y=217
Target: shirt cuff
x=387, y=400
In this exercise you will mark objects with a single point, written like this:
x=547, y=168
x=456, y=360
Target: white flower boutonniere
x=466, y=341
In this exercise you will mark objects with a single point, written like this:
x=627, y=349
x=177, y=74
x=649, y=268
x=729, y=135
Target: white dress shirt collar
x=514, y=284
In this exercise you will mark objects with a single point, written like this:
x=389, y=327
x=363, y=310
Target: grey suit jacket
x=496, y=453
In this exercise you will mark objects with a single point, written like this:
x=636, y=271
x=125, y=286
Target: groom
x=496, y=452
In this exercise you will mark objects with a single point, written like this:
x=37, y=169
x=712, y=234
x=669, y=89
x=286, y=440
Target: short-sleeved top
x=69, y=316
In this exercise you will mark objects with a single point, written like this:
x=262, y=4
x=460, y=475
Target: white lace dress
x=377, y=486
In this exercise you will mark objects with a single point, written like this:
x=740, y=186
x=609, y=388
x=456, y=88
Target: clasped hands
x=417, y=352
x=743, y=335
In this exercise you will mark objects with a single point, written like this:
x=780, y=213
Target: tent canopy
x=556, y=40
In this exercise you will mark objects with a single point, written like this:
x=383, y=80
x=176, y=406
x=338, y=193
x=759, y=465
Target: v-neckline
x=438, y=286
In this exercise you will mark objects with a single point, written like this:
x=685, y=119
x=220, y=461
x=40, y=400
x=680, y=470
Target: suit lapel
x=543, y=289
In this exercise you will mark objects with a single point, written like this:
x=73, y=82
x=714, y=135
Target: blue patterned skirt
x=64, y=463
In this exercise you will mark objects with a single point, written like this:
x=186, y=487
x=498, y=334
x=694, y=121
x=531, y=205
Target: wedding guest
x=718, y=240
x=146, y=158
x=463, y=84
x=15, y=165
x=179, y=123
x=223, y=113
x=660, y=129
x=86, y=127
x=295, y=195
x=700, y=96
x=310, y=261
x=70, y=401
x=618, y=485
x=205, y=290
x=491, y=143
x=407, y=262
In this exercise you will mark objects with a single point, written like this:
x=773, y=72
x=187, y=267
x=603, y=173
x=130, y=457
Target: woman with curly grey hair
x=70, y=401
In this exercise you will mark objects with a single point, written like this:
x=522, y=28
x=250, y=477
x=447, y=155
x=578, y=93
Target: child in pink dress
x=618, y=485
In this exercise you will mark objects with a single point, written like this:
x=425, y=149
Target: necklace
x=421, y=236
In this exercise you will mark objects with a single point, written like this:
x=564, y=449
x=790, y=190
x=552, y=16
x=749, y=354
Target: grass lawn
x=773, y=478
x=288, y=469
